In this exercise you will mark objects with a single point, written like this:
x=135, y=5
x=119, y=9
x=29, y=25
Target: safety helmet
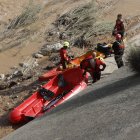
x=119, y=15
x=118, y=37
x=66, y=44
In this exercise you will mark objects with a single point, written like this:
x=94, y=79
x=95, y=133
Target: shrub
x=28, y=16
x=133, y=58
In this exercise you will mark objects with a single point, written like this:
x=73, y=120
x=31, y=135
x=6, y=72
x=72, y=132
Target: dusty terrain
x=35, y=32
x=23, y=41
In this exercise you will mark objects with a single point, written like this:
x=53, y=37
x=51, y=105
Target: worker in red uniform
x=119, y=26
x=64, y=55
x=93, y=66
x=118, y=48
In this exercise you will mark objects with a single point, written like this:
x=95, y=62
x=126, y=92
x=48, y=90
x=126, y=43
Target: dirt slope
x=35, y=32
x=126, y=7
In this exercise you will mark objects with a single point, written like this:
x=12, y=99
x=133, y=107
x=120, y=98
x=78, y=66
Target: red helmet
x=118, y=37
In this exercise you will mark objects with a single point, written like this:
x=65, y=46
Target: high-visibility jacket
x=118, y=47
x=64, y=55
x=119, y=25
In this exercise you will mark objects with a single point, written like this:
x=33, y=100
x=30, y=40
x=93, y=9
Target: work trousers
x=119, y=61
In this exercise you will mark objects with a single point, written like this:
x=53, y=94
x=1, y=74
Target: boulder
x=37, y=55
x=23, y=64
x=3, y=85
x=2, y=76
x=46, y=49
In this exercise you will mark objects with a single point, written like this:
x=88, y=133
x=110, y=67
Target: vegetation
x=27, y=17
x=133, y=58
x=18, y=30
x=84, y=21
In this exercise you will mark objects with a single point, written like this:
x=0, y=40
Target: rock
x=63, y=36
x=35, y=63
x=18, y=73
x=46, y=49
x=58, y=33
x=37, y=55
x=14, y=97
x=3, y=86
x=23, y=64
x=2, y=76
x=44, y=52
x=13, y=83
x=25, y=77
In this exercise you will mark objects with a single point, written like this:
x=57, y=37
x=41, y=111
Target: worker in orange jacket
x=119, y=26
x=93, y=66
x=64, y=55
x=118, y=48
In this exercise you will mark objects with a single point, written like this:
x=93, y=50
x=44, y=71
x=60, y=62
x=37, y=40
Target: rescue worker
x=64, y=55
x=93, y=66
x=119, y=26
x=118, y=48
